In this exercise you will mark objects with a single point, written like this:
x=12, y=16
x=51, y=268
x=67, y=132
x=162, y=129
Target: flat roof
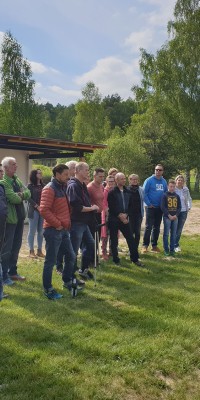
x=47, y=148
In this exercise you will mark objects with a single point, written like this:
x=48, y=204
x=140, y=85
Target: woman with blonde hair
x=186, y=204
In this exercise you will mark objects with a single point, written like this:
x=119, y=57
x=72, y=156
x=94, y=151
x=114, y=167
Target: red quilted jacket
x=54, y=206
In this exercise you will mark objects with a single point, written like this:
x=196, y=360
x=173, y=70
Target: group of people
x=71, y=212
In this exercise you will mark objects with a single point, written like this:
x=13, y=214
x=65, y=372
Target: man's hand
x=59, y=228
x=172, y=217
x=123, y=218
x=94, y=208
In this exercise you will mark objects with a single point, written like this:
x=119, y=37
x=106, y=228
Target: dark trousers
x=114, y=226
x=11, y=248
x=54, y=240
x=81, y=237
x=136, y=222
x=2, y=234
x=152, y=226
x=95, y=226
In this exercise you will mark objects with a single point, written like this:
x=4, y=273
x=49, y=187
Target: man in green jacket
x=15, y=193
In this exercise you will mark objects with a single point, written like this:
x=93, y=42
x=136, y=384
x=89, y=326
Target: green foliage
x=19, y=113
x=123, y=153
x=58, y=122
x=171, y=82
x=89, y=120
x=118, y=112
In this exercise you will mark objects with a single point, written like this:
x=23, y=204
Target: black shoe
x=85, y=274
x=80, y=282
x=139, y=264
x=5, y=296
x=68, y=285
x=59, y=271
x=117, y=261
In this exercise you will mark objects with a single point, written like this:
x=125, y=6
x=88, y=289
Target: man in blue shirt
x=154, y=187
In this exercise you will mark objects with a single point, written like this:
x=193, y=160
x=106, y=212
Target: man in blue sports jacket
x=154, y=187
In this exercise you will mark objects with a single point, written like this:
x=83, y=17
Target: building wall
x=24, y=165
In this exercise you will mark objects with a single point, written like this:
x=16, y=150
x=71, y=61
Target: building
x=25, y=149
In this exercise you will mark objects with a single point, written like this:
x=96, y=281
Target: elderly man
x=154, y=188
x=16, y=193
x=118, y=204
x=72, y=168
x=81, y=217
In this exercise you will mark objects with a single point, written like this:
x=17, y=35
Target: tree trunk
x=187, y=178
x=197, y=181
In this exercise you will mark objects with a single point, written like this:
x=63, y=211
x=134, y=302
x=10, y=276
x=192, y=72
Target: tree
x=17, y=90
x=89, y=120
x=123, y=153
x=171, y=81
x=119, y=111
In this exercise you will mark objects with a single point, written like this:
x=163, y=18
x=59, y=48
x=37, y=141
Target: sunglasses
x=157, y=169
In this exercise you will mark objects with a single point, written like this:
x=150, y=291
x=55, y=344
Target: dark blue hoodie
x=78, y=197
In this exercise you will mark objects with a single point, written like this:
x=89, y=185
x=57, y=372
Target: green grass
x=136, y=335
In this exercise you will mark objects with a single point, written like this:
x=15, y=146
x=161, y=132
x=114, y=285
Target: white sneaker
x=177, y=249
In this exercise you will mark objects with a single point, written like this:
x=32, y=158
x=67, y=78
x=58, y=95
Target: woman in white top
x=186, y=204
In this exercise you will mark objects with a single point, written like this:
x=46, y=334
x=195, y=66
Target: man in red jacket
x=54, y=207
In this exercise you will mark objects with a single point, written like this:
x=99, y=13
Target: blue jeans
x=152, y=226
x=55, y=239
x=81, y=237
x=169, y=227
x=11, y=248
x=35, y=224
x=181, y=221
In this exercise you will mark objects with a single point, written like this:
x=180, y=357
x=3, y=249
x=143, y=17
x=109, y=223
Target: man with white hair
x=15, y=193
x=81, y=218
x=118, y=219
x=72, y=168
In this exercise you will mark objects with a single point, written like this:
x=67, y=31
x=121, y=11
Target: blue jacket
x=78, y=197
x=153, y=190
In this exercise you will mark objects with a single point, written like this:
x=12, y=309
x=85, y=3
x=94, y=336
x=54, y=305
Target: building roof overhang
x=47, y=148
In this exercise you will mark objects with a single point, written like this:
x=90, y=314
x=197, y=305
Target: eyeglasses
x=158, y=169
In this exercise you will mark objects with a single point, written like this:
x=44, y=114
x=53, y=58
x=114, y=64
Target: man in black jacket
x=82, y=217
x=118, y=204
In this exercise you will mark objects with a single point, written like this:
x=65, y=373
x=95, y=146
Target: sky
x=72, y=42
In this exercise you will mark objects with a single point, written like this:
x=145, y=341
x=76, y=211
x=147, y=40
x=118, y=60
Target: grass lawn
x=136, y=335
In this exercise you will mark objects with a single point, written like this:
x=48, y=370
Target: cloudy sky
x=71, y=42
